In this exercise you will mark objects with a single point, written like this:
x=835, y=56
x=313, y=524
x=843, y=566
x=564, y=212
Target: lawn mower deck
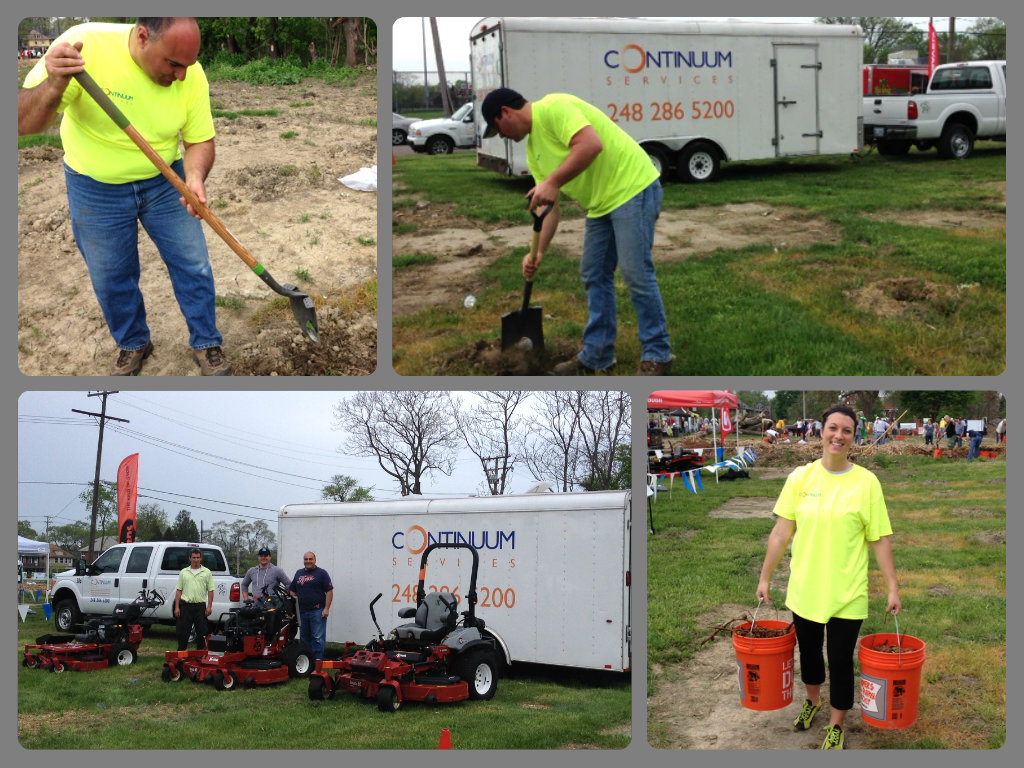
x=434, y=659
x=256, y=646
x=107, y=641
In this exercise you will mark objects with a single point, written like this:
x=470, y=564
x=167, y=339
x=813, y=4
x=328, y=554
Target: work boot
x=573, y=368
x=211, y=361
x=129, y=361
x=652, y=368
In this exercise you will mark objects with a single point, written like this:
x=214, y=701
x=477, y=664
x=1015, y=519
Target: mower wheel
x=224, y=681
x=122, y=655
x=387, y=699
x=317, y=688
x=57, y=666
x=298, y=658
x=165, y=673
x=480, y=671
x=30, y=661
x=193, y=675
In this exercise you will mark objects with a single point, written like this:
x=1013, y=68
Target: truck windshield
x=463, y=112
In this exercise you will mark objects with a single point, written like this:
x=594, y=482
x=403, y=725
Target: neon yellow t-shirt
x=620, y=171
x=836, y=516
x=93, y=144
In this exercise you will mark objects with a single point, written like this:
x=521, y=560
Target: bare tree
x=604, y=427
x=491, y=430
x=411, y=434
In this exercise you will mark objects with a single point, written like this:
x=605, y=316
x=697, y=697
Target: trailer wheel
x=659, y=159
x=122, y=655
x=298, y=658
x=317, y=689
x=957, y=142
x=66, y=615
x=699, y=162
x=387, y=699
x=480, y=671
x=440, y=145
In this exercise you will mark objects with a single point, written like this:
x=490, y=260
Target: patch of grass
x=234, y=115
x=229, y=302
x=952, y=571
x=287, y=134
x=365, y=240
x=40, y=140
x=401, y=260
x=303, y=218
x=288, y=170
x=370, y=122
x=302, y=274
x=403, y=228
x=295, y=104
x=829, y=308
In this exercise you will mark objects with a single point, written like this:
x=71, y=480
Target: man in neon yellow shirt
x=573, y=147
x=150, y=71
x=833, y=510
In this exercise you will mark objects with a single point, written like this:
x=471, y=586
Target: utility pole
x=950, y=39
x=102, y=416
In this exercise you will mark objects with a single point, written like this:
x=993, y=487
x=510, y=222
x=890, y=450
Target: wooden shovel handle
x=115, y=114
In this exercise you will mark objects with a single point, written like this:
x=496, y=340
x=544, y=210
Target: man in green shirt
x=573, y=147
x=193, y=600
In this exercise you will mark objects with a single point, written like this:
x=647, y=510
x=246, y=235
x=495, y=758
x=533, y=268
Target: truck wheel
x=387, y=699
x=122, y=655
x=298, y=658
x=699, y=162
x=440, y=145
x=397, y=137
x=480, y=670
x=66, y=615
x=957, y=142
x=659, y=158
x=892, y=148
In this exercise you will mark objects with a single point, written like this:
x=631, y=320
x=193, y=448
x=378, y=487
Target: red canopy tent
x=692, y=399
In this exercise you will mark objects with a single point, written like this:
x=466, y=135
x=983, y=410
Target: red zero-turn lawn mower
x=107, y=641
x=256, y=645
x=436, y=658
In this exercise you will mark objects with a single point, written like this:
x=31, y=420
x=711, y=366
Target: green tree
x=622, y=472
x=345, y=488
x=150, y=522
x=783, y=402
x=72, y=538
x=25, y=529
x=882, y=35
x=928, y=404
x=988, y=39
x=184, y=528
x=106, y=510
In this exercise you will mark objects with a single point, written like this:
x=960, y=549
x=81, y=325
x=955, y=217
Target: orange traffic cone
x=446, y=740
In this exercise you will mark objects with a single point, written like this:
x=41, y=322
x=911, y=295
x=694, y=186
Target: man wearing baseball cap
x=573, y=147
x=265, y=575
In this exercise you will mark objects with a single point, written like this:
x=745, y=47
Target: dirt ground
x=282, y=200
x=465, y=247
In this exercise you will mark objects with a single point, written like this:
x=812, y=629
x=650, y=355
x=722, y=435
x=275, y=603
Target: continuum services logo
x=416, y=538
x=633, y=58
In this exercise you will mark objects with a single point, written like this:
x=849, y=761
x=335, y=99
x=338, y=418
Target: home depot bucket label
x=872, y=696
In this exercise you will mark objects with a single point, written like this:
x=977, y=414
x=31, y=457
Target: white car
x=442, y=135
x=400, y=128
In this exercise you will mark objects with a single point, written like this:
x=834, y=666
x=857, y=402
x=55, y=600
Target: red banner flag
x=933, y=50
x=726, y=422
x=127, y=493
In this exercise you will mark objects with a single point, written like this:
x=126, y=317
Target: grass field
x=899, y=291
x=132, y=708
x=949, y=545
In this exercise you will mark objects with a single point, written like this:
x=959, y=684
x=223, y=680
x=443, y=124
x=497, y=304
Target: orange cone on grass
x=446, y=739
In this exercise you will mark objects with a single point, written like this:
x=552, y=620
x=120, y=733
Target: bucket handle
x=754, y=622
x=899, y=644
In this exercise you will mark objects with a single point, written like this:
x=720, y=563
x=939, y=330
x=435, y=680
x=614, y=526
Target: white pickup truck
x=964, y=102
x=442, y=135
x=117, y=576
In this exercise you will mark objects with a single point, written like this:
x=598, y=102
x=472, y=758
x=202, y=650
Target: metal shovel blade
x=302, y=306
x=523, y=325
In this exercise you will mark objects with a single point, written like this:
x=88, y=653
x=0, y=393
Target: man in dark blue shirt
x=314, y=590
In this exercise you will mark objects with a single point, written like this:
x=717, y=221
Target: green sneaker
x=807, y=713
x=833, y=737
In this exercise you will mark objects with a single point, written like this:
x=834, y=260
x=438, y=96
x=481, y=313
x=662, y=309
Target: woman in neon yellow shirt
x=833, y=511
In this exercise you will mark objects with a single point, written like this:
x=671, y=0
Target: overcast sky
x=454, y=33
x=223, y=456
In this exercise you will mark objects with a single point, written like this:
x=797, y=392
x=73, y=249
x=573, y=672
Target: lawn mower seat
x=434, y=619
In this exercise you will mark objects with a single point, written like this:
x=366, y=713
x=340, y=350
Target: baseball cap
x=491, y=108
x=263, y=551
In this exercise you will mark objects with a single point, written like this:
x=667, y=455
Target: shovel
x=302, y=305
x=523, y=327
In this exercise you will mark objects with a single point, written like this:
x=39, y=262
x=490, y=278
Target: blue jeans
x=972, y=449
x=623, y=238
x=104, y=222
x=313, y=631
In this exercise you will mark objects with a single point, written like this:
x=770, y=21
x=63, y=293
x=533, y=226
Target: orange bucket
x=890, y=682
x=937, y=453
x=764, y=666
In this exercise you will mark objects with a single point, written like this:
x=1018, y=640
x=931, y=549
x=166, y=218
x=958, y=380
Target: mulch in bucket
x=764, y=664
x=890, y=679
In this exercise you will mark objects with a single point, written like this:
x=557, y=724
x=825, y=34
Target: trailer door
x=488, y=72
x=797, y=126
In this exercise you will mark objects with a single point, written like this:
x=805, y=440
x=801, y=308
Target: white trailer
x=692, y=93
x=554, y=579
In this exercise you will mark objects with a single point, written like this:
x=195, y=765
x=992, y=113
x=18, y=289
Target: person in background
x=261, y=579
